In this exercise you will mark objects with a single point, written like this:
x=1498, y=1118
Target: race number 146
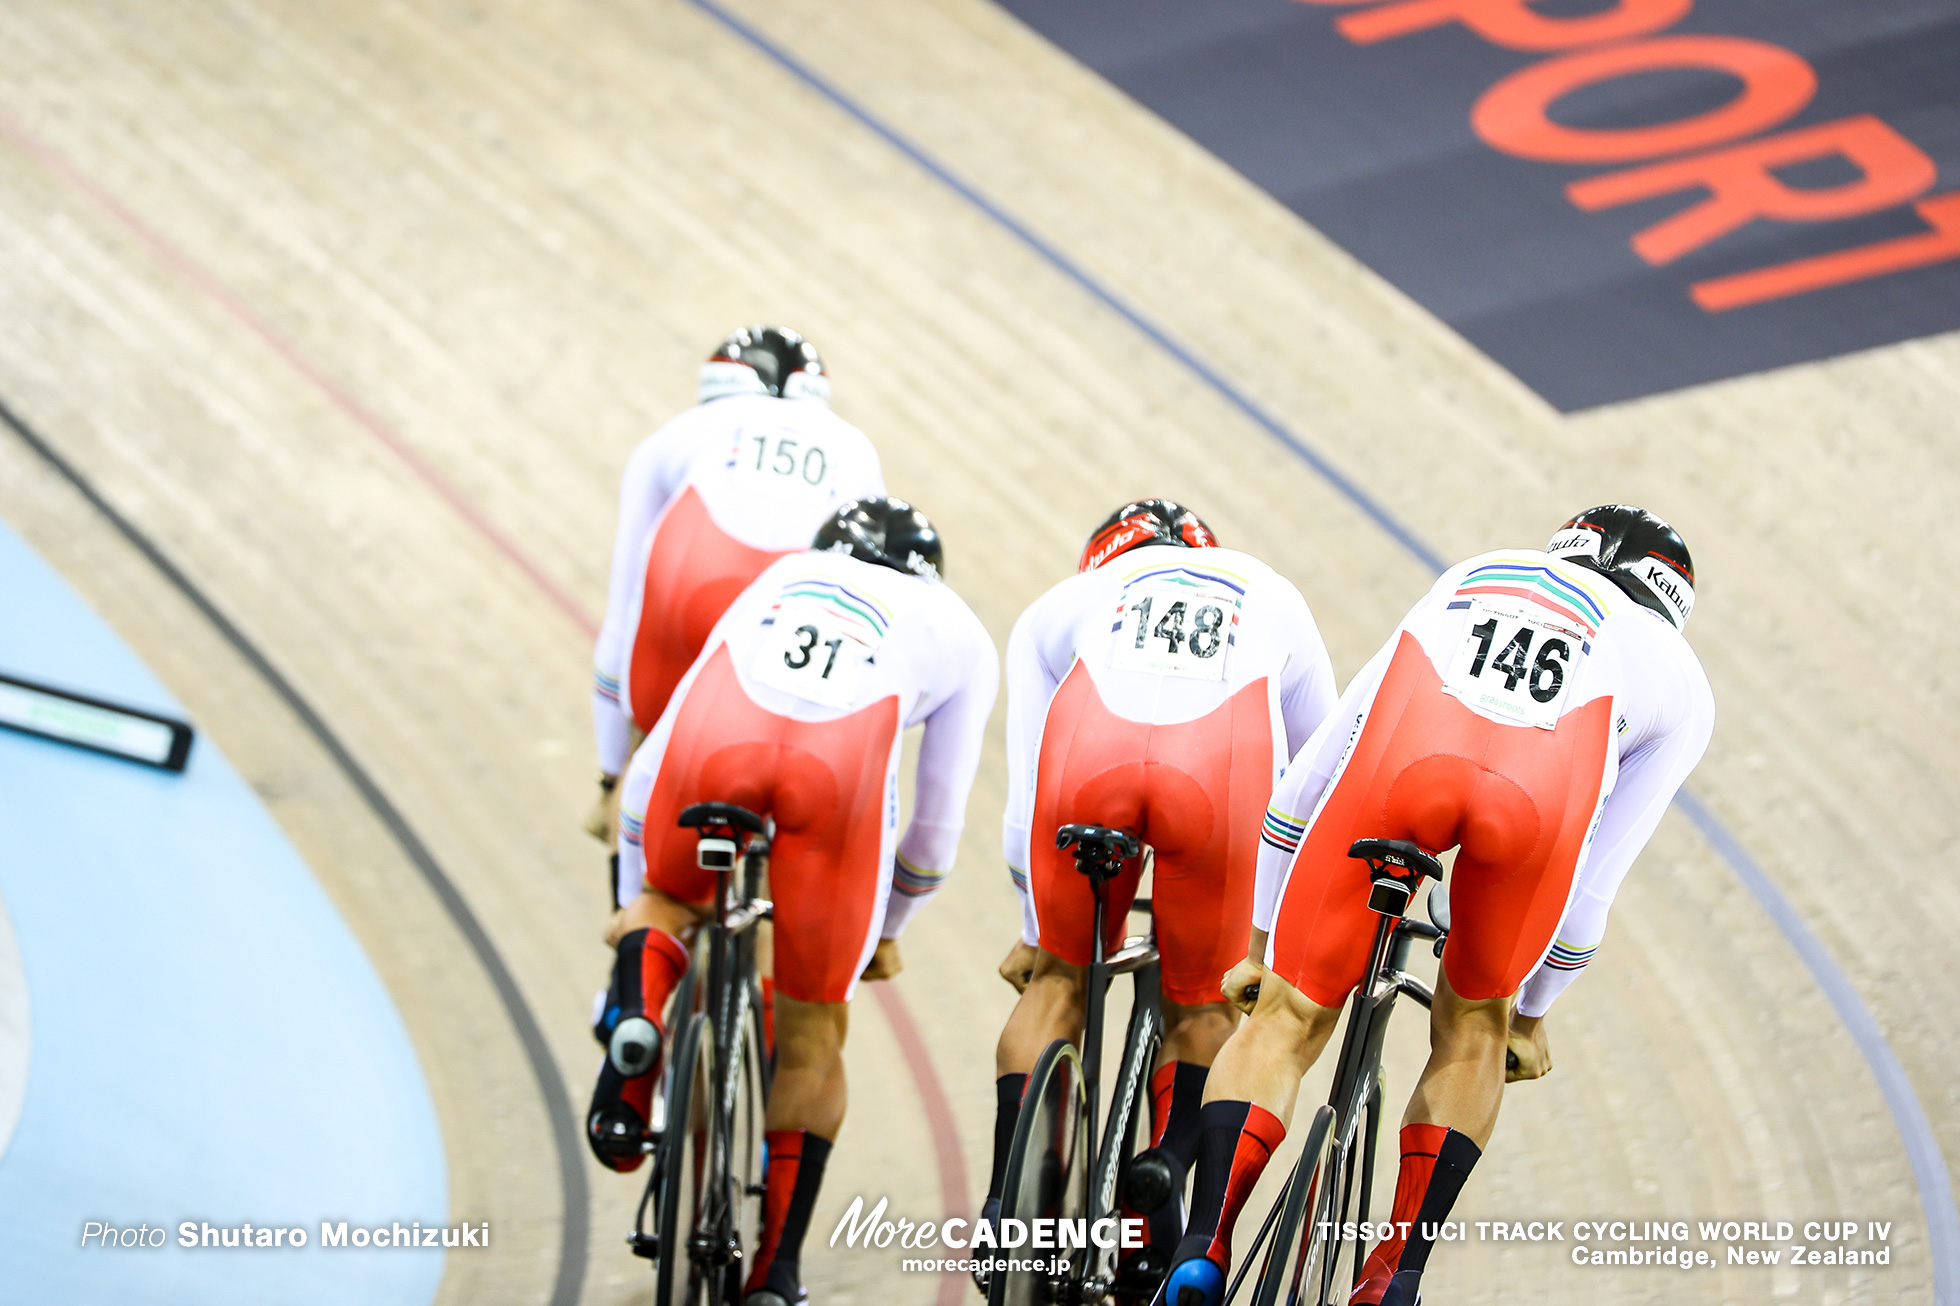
x=1514, y=663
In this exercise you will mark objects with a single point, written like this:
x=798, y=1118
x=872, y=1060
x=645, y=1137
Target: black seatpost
x=1093, y=1020
x=1099, y=854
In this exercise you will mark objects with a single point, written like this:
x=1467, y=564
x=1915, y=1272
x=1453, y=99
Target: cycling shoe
x=634, y=1047
x=1196, y=1282
x=1405, y=1289
x=764, y=1297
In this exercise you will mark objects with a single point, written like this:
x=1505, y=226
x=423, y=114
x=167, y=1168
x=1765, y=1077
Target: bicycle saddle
x=708, y=816
x=1099, y=850
x=1380, y=853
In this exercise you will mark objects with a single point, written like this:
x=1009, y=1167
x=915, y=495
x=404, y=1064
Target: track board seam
x=569, y=1282
x=1922, y=1147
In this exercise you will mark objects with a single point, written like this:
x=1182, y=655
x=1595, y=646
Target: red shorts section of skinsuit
x=1195, y=792
x=823, y=781
x=694, y=571
x=1519, y=801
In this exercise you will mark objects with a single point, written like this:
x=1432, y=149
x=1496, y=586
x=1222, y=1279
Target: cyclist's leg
x=1320, y=942
x=1209, y=782
x=806, y=1108
x=1529, y=814
x=649, y=957
x=1088, y=772
x=828, y=874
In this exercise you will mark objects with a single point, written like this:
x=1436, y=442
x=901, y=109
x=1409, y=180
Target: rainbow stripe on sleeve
x=1564, y=956
x=1282, y=831
x=913, y=882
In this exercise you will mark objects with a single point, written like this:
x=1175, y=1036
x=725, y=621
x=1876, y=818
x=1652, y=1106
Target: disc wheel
x=687, y=1165
x=1047, y=1173
x=1299, y=1265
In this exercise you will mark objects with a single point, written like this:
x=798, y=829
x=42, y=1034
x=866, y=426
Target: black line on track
x=565, y=1129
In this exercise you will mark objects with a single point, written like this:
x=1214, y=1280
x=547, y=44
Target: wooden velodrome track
x=353, y=312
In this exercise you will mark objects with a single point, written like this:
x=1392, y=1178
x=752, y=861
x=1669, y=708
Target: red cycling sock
x=1177, y=1093
x=662, y=962
x=1235, y=1140
x=647, y=968
x=1163, y=1081
x=796, y=1163
x=1435, y=1161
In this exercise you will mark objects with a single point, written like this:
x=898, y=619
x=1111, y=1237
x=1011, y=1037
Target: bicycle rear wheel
x=687, y=1168
x=1299, y=1264
x=747, y=1089
x=1047, y=1171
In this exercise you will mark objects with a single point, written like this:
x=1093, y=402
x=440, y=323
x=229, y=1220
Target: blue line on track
x=1922, y=1148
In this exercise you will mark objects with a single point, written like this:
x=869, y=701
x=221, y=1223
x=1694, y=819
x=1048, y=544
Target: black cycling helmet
x=1146, y=521
x=764, y=360
x=1638, y=551
x=890, y=532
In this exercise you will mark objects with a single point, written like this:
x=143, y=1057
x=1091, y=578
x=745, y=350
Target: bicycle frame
x=1357, y=1089
x=1099, y=853
x=716, y=985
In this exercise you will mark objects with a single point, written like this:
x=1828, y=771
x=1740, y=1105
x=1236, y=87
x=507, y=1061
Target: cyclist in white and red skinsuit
x=707, y=502
x=1159, y=690
x=795, y=711
x=1537, y=711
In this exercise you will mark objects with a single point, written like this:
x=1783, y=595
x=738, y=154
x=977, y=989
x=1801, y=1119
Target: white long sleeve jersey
x=1168, y=634
x=769, y=472
x=1663, y=715
x=821, y=635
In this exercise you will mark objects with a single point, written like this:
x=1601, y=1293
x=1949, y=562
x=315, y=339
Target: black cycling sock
x=1187, y=1098
x=1454, y=1160
x=1007, y=1114
x=623, y=995
x=796, y=1164
x=1235, y=1140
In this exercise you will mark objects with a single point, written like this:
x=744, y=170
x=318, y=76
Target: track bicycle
x=705, y=1189
x=1322, y=1199
x=1049, y=1175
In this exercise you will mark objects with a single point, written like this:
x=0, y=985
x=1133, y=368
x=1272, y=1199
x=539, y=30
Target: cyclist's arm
x=1307, y=687
x=862, y=476
x=1649, y=777
x=1031, y=683
x=1301, y=786
x=949, y=755
x=653, y=475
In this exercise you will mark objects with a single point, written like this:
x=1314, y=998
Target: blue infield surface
x=204, y=1039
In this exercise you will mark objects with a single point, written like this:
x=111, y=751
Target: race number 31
x=1168, y=628
x=1515, y=663
x=813, y=653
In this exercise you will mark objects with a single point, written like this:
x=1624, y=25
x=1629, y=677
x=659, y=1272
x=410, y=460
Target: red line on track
x=931, y=1089
x=334, y=394
x=939, y=1115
